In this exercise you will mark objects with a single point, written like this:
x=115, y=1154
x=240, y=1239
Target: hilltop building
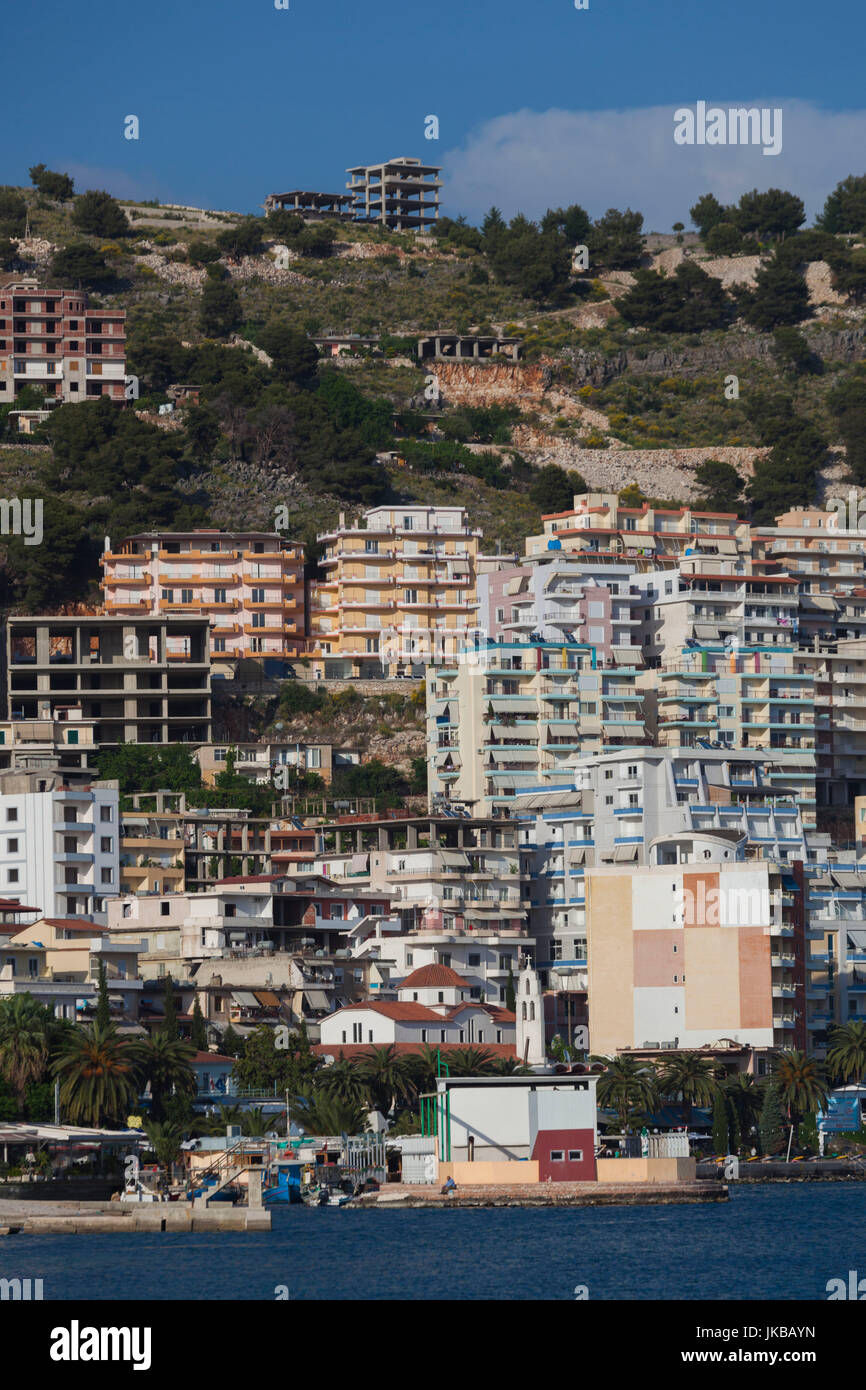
x=402, y=194
x=52, y=339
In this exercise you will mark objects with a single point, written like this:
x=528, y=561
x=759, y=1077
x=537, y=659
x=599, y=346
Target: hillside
x=610, y=390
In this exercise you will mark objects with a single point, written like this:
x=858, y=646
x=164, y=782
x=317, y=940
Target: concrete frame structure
x=402, y=193
x=312, y=206
x=52, y=339
x=467, y=347
x=248, y=585
x=263, y=762
x=121, y=672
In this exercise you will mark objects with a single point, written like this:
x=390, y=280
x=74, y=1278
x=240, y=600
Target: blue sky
x=538, y=103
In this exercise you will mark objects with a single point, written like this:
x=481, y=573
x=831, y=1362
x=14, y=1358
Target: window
x=258, y=596
x=575, y=1155
x=423, y=1031
x=258, y=620
x=186, y=595
x=474, y=958
x=356, y=1033
x=106, y=844
x=11, y=846
x=11, y=813
x=220, y=596
x=105, y=813
x=164, y=909
x=557, y=1155
x=12, y=876
x=106, y=875
x=168, y=595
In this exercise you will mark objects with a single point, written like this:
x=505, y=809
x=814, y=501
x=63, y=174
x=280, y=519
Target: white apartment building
x=59, y=843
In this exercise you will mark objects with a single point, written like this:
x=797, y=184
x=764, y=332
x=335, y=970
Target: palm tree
x=225, y=1116
x=510, y=1066
x=165, y=1061
x=388, y=1077
x=257, y=1123
x=24, y=1043
x=745, y=1098
x=324, y=1114
x=690, y=1079
x=800, y=1084
x=165, y=1141
x=626, y=1085
x=846, y=1055
x=343, y=1081
x=425, y=1066
x=470, y=1061
x=98, y=1075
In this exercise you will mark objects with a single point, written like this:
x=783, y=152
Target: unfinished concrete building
x=136, y=680
x=467, y=347
x=311, y=205
x=402, y=194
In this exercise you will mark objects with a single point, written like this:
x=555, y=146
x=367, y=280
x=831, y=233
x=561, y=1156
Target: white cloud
x=527, y=161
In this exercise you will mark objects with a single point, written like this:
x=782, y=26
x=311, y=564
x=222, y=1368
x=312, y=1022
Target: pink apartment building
x=248, y=584
x=51, y=339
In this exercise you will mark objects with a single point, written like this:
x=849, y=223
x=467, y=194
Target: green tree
x=846, y=1055
x=788, y=475
x=511, y=991
x=799, y=1082
x=553, y=489
x=720, y=1125
x=344, y=1081
x=198, y=1029
x=707, y=213
x=688, y=1078
x=97, y=1073
x=98, y=214
x=745, y=1099
x=780, y=297
x=59, y=187
x=13, y=212
x=165, y=1061
x=388, y=1077
x=220, y=307
x=771, y=1127
x=626, y=1085
x=142, y=768
x=231, y=1043
x=773, y=214
x=721, y=486
x=168, y=1028
x=616, y=239
x=203, y=252
x=24, y=1043
x=78, y=264
x=791, y=350
x=321, y=1113
x=103, y=1008
x=688, y=301
x=8, y=253
x=845, y=208
x=243, y=239
x=724, y=239
x=295, y=357
x=847, y=404
x=165, y=1141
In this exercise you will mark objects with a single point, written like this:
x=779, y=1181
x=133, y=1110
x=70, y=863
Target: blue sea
x=776, y=1241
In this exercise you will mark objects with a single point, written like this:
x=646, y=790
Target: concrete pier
x=399, y=1196
x=101, y=1218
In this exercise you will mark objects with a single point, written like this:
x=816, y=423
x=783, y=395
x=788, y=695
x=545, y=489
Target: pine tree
x=772, y=1126
x=720, y=1125
x=169, y=1013
x=103, y=1008
x=198, y=1031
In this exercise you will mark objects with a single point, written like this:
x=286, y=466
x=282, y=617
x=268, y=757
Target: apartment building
x=836, y=953
x=825, y=557
x=566, y=598
x=264, y=763
x=74, y=952
x=692, y=948
x=455, y=891
x=706, y=601
x=247, y=585
x=59, y=843
x=52, y=339
x=746, y=698
x=135, y=679
x=152, y=851
x=399, y=591
x=402, y=193
x=838, y=670
x=65, y=740
x=617, y=805
x=600, y=524
x=511, y=716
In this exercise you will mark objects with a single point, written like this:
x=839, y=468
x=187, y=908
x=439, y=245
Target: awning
x=847, y=878
x=706, y=634
x=822, y=880
x=789, y=883
x=725, y=545
x=624, y=854
x=359, y=863
x=454, y=859
x=822, y=601
x=267, y=998
x=316, y=999
x=245, y=999
x=516, y=586
x=577, y=854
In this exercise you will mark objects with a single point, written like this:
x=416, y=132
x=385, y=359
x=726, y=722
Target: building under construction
x=402, y=194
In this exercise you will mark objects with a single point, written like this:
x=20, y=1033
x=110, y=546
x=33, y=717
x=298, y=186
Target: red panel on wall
x=565, y=1141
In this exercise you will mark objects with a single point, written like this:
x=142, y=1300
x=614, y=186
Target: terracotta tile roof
x=433, y=977
x=71, y=924
x=402, y=1013
x=350, y=1050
